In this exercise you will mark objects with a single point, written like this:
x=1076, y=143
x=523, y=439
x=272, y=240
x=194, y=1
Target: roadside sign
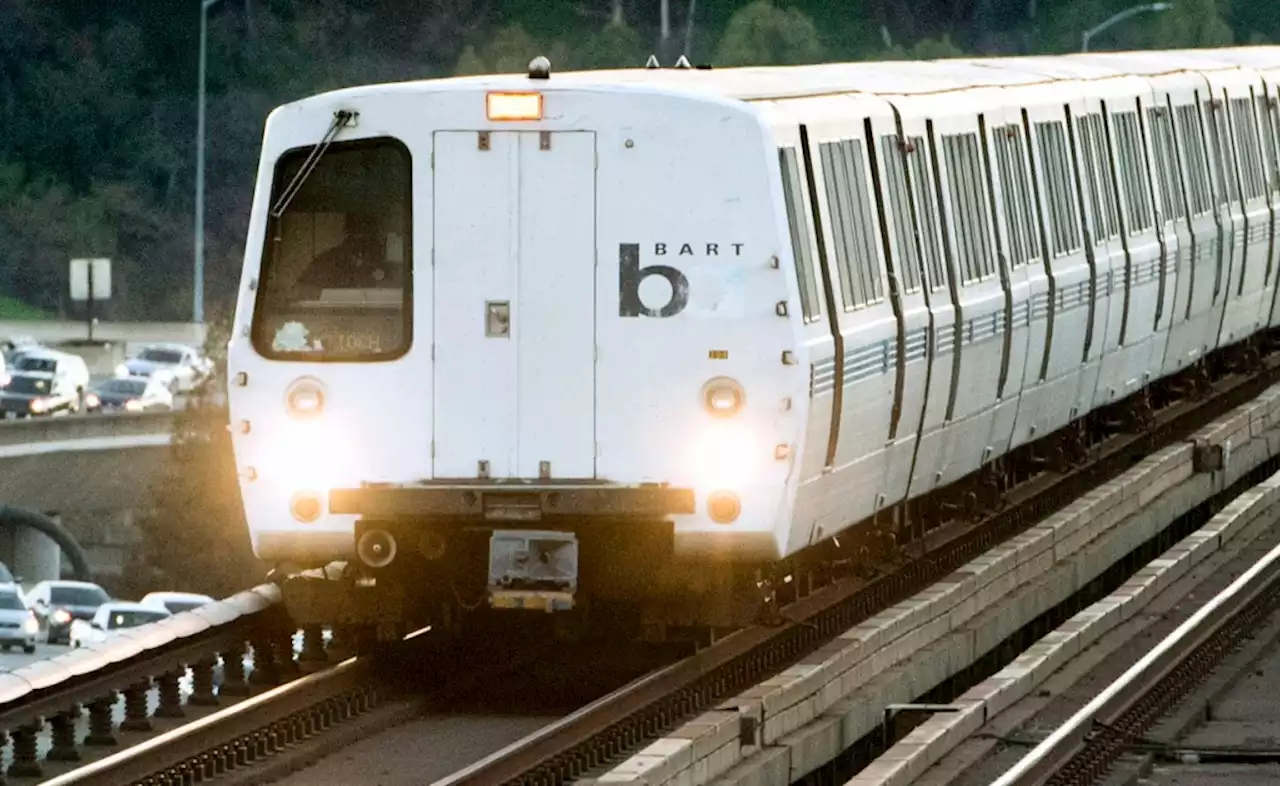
x=90, y=273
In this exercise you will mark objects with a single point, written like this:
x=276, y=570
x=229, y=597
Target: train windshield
x=336, y=270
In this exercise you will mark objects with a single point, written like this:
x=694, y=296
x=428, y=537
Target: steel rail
x=607, y=730
x=335, y=695
x=1073, y=738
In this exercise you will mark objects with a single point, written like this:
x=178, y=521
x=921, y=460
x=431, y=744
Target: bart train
x=639, y=339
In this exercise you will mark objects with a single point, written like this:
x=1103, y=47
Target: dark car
x=57, y=603
x=32, y=394
x=129, y=394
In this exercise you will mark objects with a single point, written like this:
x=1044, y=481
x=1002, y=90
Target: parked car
x=182, y=367
x=110, y=619
x=59, y=602
x=174, y=602
x=30, y=394
x=18, y=624
x=129, y=394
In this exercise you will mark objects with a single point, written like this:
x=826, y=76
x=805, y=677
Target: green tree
x=1193, y=23
x=509, y=52
x=616, y=45
x=761, y=34
x=195, y=537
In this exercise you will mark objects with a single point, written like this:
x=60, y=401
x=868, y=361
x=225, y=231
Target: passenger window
x=965, y=180
x=895, y=183
x=1191, y=143
x=1011, y=160
x=337, y=265
x=1227, y=189
x=801, y=235
x=1133, y=172
x=1253, y=180
x=1056, y=164
x=922, y=186
x=1171, y=204
x=1099, y=183
x=1271, y=135
x=852, y=225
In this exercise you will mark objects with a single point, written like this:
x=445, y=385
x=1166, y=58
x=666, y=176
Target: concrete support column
x=36, y=557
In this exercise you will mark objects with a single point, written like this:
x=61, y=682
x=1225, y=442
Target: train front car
x=511, y=342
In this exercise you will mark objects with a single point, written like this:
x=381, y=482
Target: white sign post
x=90, y=281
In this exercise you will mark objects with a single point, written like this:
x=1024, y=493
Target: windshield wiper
x=341, y=118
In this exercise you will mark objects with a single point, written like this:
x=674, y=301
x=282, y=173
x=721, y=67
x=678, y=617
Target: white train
x=639, y=337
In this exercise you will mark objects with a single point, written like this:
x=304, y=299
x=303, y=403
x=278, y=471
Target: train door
x=514, y=266
x=1249, y=301
x=1269, y=117
x=969, y=231
x=1198, y=281
x=1242, y=202
x=931, y=449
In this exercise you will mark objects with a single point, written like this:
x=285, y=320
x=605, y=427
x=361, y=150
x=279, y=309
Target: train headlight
x=306, y=506
x=305, y=398
x=723, y=397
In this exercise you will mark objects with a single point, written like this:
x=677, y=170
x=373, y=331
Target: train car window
x=1271, y=136
x=1253, y=179
x=927, y=213
x=1191, y=143
x=904, y=241
x=1227, y=189
x=853, y=225
x=1062, y=205
x=1099, y=178
x=1133, y=172
x=801, y=235
x=969, y=205
x=1011, y=160
x=1171, y=204
x=335, y=282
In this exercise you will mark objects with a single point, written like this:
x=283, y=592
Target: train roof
x=874, y=78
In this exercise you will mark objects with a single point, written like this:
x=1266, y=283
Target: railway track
x=297, y=724
x=1083, y=750
x=356, y=699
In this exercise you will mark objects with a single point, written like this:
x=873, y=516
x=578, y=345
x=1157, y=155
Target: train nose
x=376, y=548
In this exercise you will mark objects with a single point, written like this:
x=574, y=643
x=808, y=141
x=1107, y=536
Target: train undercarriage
x=601, y=562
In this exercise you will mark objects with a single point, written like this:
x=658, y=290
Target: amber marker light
x=513, y=106
x=306, y=506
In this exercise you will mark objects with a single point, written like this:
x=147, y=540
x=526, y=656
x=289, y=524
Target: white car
x=18, y=624
x=182, y=367
x=174, y=602
x=111, y=618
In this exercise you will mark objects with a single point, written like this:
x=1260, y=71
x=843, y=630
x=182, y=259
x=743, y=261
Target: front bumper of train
x=515, y=501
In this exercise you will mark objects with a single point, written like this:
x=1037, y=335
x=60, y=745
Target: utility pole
x=197, y=306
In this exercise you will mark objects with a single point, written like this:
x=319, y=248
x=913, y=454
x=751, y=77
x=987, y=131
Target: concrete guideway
x=1249, y=520
x=808, y=715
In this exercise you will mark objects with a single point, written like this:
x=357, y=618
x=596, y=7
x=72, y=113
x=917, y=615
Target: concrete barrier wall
x=51, y=332
x=44, y=435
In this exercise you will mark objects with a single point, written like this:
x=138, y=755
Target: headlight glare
x=31, y=625
x=723, y=397
x=62, y=616
x=305, y=398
